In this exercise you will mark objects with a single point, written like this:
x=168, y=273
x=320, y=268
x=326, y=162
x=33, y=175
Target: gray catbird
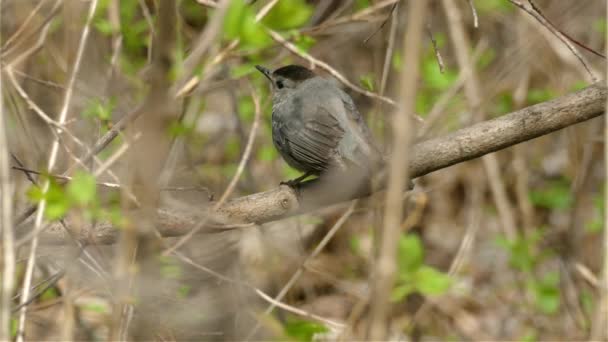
x=316, y=126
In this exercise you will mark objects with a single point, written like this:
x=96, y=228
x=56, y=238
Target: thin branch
x=541, y=19
x=600, y=321
x=390, y=14
x=425, y=157
x=6, y=226
x=385, y=265
x=51, y=163
x=537, y=9
x=298, y=273
x=389, y=49
x=21, y=28
x=474, y=12
x=235, y=178
x=436, y=49
x=274, y=302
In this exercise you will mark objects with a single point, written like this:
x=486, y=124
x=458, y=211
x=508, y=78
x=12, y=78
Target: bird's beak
x=265, y=71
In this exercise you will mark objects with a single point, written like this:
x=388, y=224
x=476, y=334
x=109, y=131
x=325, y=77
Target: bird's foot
x=295, y=183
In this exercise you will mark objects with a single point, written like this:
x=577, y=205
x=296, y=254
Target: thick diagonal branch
x=425, y=157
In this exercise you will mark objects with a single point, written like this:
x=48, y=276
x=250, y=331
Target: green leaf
x=169, y=268
x=179, y=129
x=410, y=253
x=546, y=293
x=288, y=14
x=240, y=23
x=302, y=41
x=302, y=330
x=539, y=95
x=183, y=291
x=361, y=4
x=355, y=244
x=402, y=291
x=600, y=26
x=234, y=17
x=82, y=189
x=49, y=294
x=434, y=78
x=246, y=108
x=99, y=109
x=555, y=195
x=430, y=281
x=57, y=202
x=267, y=153
x=95, y=307
x=367, y=81
x=396, y=61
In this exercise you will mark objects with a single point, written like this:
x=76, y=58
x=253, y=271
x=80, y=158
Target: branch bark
x=426, y=156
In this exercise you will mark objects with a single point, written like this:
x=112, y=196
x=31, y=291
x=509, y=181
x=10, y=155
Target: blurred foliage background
x=463, y=272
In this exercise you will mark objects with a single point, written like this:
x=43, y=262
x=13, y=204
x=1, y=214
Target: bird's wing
x=314, y=143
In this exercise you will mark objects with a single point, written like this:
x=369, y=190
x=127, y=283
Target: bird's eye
x=280, y=84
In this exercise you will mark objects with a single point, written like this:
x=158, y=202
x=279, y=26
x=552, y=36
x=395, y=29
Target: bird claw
x=293, y=183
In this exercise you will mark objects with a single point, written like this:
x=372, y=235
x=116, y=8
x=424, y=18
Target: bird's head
x=286, y=78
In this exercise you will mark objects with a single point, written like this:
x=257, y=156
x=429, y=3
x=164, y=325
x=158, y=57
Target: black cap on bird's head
x=288, y=76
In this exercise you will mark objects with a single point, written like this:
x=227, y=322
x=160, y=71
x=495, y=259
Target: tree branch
x=427, y=156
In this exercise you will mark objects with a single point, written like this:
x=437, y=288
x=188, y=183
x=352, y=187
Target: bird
x=316, y=126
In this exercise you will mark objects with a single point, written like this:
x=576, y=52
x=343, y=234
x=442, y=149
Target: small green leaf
x=367, y=81
x=99, y=109
x=302, y=330
x=183, y=291
x=430, y=281
x=402, y=291
x=546, y=293
x=169, y=268
x=95, y=307
x=361, y=4
x=396, y=61
x=303, y=42
x=355, y=244
x=48, y=294
x=288, y=14
x=434, y=78
x=179, y=129
x=410, y=253
x=539, y=95
x=57, y=202
x=82, y=189
x=600, y=26
x=555, y=195
x=267, y=153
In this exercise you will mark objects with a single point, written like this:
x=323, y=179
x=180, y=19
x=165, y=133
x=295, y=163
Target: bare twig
x=390, y=14
x=474, y=12
x=204, y=41
x=389, y=49
x=6, y=226
x=272, y=301
x=600, y=322
x=537, y=9
x=532, y=10
x=51, y=163
x=425, y=157
x=21, y=28
x=436, y=48
x=235, y=178
x=265, y=10
x=385, y=264
x=474, y=96
x=298, y=273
